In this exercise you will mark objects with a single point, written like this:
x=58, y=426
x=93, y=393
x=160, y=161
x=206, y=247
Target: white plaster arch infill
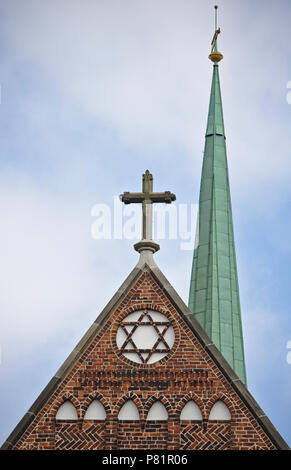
x=67, y=411
x=191, y=411
x=157, y=412
x=95, y=411
x=219, y=412
x=129, y=412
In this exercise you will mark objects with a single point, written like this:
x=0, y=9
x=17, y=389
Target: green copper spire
x=214, y=291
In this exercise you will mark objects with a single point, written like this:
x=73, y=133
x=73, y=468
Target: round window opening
x=145, y=336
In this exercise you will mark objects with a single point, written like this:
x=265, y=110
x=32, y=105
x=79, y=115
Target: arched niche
x=67, y=411
x=95, y=411
x=129, y=412
x=219, y=412
x=191, y=411
x=157, y=412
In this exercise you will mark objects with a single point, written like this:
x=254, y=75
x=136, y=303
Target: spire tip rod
x=216, y=8
x=214, y=55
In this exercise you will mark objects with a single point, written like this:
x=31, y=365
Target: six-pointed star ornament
x=145, y=336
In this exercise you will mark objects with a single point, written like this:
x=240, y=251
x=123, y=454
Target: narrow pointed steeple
x=214, y=291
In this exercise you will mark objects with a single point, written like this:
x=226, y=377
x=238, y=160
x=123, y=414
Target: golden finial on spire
x=214, y=55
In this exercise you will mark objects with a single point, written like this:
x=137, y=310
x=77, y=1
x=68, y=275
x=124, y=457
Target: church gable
x=144, y=373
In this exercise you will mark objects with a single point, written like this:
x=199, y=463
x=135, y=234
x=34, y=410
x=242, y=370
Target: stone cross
x=147, y=197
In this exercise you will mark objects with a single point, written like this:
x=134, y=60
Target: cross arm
x=130, y=198
x=166, y=197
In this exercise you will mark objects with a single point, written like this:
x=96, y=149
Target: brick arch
x=91, y=397
x=130, y=396
x=144, y=306
x=67, y=396
x=153, y=399
x=191, y=396
x=214, y=399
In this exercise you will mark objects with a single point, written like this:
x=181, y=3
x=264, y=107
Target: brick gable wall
x=187, y=373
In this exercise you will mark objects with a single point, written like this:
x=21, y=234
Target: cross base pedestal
x=146, y=245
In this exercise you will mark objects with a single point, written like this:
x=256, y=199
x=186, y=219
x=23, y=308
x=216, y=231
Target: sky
x=93, y=93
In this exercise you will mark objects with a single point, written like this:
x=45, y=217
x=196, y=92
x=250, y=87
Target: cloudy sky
x=94, y=92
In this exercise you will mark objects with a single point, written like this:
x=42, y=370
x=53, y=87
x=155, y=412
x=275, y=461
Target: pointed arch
x=219, y=412
x=151, y=401
x=67, y=396
x=191, y=412
x=129, y=412
x=67, y=411
x=90, y=398
x=220, y=397
x=191, y=396
x=157, y=412
x=95, y=411
x=130, y=396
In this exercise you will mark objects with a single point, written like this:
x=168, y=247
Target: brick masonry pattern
x=187, y=373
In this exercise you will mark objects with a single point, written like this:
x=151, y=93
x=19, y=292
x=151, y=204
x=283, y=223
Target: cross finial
x=147, y=197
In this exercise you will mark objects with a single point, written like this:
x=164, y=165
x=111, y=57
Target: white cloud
x=47, y=276
x=143, y=68
x=131, y=64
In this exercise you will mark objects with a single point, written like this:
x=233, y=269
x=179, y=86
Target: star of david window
x=145, y=336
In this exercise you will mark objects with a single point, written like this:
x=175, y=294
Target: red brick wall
x=186, y=373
